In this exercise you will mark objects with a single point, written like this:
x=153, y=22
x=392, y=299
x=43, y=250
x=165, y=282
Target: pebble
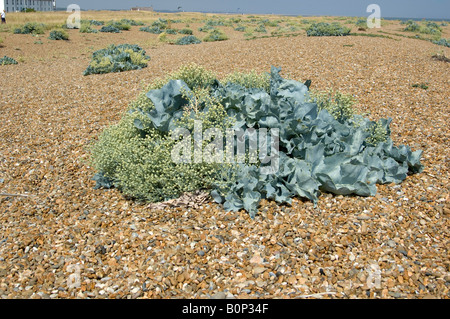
x=201, y=253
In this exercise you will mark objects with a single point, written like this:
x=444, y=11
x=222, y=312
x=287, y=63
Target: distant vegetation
x=189, y=39
x=123, y=57
x=327, y=29
x=31, y=28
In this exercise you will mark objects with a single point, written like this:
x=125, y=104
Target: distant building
x=18, y=5
x=142, y=9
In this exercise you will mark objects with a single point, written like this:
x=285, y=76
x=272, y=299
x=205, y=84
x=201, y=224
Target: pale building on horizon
x=18, y=5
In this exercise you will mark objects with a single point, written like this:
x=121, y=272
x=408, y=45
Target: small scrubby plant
x=216, y=35
x=261, y=28
x=423, y=86
x=132, y=22
x=189, y=39
x=163, y=37
x=121, y=25
x=249, y=80
x=7, y=61
x=206, y=28
x=185, y=31
x=170, y=31
x=58, y=35
x=160, y=23
x=339, y=105
x=327, y=29
x=361, y=24
x=31, y=28
x=412, y=26
x=109, y=29
x=443, y=42
x=153, y=29
x=87, y=28
x=123, y=57
x=94, y=22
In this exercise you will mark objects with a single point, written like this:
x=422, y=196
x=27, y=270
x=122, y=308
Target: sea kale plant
x=123, y=57
x=109, y=29
x=188, y=39
x=7, y=61
x=215, y=35
x=58, y=35
x=152, y=29
x=322, y=29
x=186, y=132
x=443, y=42
x=31, y=28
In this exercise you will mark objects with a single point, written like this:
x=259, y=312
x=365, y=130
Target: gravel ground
x=68, y=240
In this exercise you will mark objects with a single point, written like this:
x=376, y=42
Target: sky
x=436, y=9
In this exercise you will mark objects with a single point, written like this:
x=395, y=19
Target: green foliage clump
x=58, y=35
x=378, y=133
x=423, y=86
x=261, y=28
x=339, y=105
x=94, y=22
x=160, y=23
x=412, y=26
x=109, y=29
x=163, y=37
x=196, y=77
x=170, y=31
x=121, y=25
x=216, y=35
x=87, y=28
x=31, y=28
x=154, y=29
x=430, y=30
x=433, y=25
x=270, y=23
x=7, y=61
x=142, y=167
x=120, y=58
x=327, y=29
x=249, y=80
x=206, y=28
x=443, y=42
x=429, y=27
x=132, y=22
x=185, y=31
x=186, y=40
x=215, y=23
x=361, y=24
x=240, y=28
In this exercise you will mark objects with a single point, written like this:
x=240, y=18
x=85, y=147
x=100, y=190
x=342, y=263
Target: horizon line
x=250, y=13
